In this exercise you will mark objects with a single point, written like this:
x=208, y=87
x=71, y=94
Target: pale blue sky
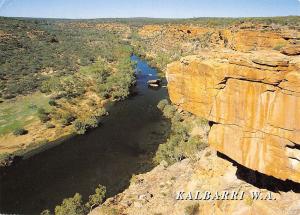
x=148, y=8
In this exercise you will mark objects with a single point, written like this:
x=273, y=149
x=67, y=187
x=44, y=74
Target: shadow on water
x=123, y=145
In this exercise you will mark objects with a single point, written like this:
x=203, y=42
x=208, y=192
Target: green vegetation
x=21, y=112
x=97, y=198
x=43, y=115
x=205, y=21
x=82, y=126
x=117, y=86
x=20, y=131
x=49, y=125
x=75, y=206
x=109, y=211
x=72, y=206
x=180, y=144
x=35, y=50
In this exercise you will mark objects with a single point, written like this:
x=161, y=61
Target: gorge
x=82, y=162
x=232, y=119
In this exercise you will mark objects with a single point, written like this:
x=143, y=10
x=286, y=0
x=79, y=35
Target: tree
x=97, y=198
x=71, y=206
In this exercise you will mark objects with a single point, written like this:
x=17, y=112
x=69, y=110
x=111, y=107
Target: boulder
x=291, y=50
x=154, y=81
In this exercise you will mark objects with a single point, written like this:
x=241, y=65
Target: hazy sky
x=147, y=8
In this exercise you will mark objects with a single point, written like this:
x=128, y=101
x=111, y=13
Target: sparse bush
x=169, y=111
x=81, y=126
x=20, y=131
x=180, y=144
x=44, y=118
x=5, y=158
x=201, y=121
x=108, y=210
x=71, y=206
x=52, y=102
x=162, y=104
x=67, y=118
x=167, y=151
x=97, y=198
x=43, y=115
x=49, y=125
x=193, y=145
x=91, y=122
x=100, y=112
x=191, y=209
x=41, y=111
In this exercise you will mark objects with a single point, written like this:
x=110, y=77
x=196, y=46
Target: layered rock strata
x=253, y=101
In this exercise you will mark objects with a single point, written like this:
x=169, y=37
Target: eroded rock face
x=254, y=101
x=155, y=192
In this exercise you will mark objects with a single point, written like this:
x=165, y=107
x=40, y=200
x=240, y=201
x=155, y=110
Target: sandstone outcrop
x=155, y=192
x=191, y=38
x=291, y=50
x=253, y=102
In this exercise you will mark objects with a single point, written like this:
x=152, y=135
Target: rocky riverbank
x=156, y=192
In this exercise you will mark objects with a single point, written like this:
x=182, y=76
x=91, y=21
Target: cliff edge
x=253, y=102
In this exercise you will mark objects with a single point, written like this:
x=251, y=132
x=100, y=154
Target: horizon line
x=137, y=17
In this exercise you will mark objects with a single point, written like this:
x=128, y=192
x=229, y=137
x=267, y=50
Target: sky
x=148, y=8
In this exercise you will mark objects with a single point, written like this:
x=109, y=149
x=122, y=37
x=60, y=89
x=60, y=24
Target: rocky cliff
x=155, y=192
x=253, y=102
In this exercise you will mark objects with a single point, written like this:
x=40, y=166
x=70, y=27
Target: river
x=121, y=146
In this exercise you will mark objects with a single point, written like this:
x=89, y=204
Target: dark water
x=107, y=155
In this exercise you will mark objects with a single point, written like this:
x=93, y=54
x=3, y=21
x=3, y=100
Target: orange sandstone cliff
x=253, y=101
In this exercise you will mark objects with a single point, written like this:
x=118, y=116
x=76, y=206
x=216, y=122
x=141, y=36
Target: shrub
x=72, y=206
x=168, y=151
x=52, y=102
x=109, y=210
x=192, y=146
x=20, y=131
x=43, y=115
x=81, y=126
x=169, y=111
x=191, y=209
x=162, y=104
x=117, y=85
x=44, y=118
x=41, y=111
x=67, y=118
x=180, y=144
x=100, y=112
x=201, y=121
x=97, y=198
x=49, y=125
x=91, y=122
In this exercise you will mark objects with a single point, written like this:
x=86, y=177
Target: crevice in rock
x=295, y=146
x=293, y=158
x=285, y=129
x=211, y=123
x=260, y=180
x=224, y=81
